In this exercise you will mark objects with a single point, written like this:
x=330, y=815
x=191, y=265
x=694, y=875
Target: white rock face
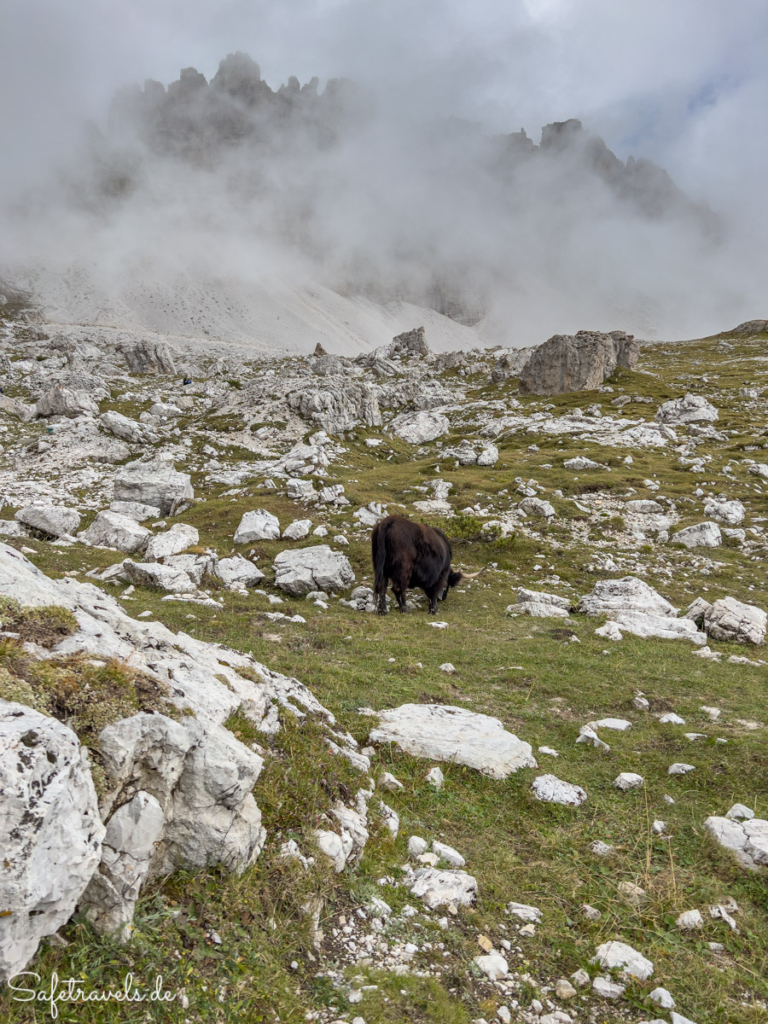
x=202, y=778
x=298, y=529
x=539, y=605
x=238, y=572
x=50, y=827
x=171, y=542
x=419, y=427
x=54, y=520
x=158, y=577
x=629, y=594
x=129, y=845
x=537, y=507
x=113, y=530
x=748, y=840
x=729, y=512
x=551, y=790
x=628, y=780
x=729, y=619
x=618, y=954
x=298, y=572
x=444, y=888
x=690, y=409
x=152, y=483
x=65, y=402
x=493, y=966
x=702, y=535
x=445, y=733
x=256, y=525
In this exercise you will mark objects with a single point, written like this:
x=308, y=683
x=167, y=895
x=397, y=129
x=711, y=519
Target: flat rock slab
x=445, y=733
x=551, y=790
x=629, y=594
x=300, y=571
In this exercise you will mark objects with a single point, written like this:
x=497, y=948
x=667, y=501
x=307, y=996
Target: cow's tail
x=379, y=553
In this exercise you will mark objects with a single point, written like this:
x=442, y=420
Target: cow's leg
x=441, y=591
x=432, y=594
x=381, y=597
x=400, y=587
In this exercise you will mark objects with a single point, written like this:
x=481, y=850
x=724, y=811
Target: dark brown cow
x=411, y=555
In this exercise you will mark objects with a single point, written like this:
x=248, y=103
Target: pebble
x=680, y=768
x=671, y=719
x=602, y=849
x=435, y=777
x=662, y=998
x=640, y=703
x=628, y=780
x=417, y=846
x=606, y=988
x=448, y=668
x=689, y=920
x=564, y=989
x=739, y=812
x=493, y=966
x=632, y=892
x=590, y=913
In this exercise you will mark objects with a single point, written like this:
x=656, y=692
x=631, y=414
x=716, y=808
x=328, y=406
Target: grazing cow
x=411, y=555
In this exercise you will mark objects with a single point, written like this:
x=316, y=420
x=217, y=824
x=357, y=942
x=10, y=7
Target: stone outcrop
x=50, y=827
x=113, y=530
x=689, y=409
x=729, y=619
x=51, y=520
x=153, y=483
x=579, y=362
x=339, y=405
x=64, y=402
x=419, y=427
x=149, y=356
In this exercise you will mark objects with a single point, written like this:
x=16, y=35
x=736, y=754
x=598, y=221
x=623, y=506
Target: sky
x=683, y=82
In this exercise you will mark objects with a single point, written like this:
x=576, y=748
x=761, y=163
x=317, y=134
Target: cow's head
x=453, y=578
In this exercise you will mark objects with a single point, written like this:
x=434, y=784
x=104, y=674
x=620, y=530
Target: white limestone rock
x=747, y=840
x=448, y=854
x=124, y=427
x=116, y=531
x=611, y=955
x=129, y=845
x=66, y=402
x=50, y=827
x=739, y=812
x=417, y=846
x=435, y=778
x=238, y=572
x=388, y=782
x=299, y=571
x=493, y=966
x=297, y=530
x=661, y=997
x=628, y=780
x=614, y=724
x=489, y=456
x=171, y=542
x=702, y=535
x=661, y=626
x=419, y=427
x=158, y=577
x=52, y=520
x=579, y=463
x=731, y=513
x=135, y=510
x=679, y=768
x=551, y=790
x=443, y=888
x=671, y=719
x=689, y=920
x=629, y=594
x=444, y=733
x=155, y=482
x=690, y=409
x=606, y=988
x=256, y=525
x=537, y=507
x=729, y=619
x=539, y=605
x=524, y=912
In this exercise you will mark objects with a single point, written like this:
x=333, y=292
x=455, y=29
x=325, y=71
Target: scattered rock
x=153, y=483
x=445, y=733
x=579, y=362
x=680, y=769
x=729, y=619
x=171, y=542
x=539, y=605
x=419, y=427
x=611, y=955
x=64, y=402
x=524, y=912
x=689, y=920
x=443, y=888
x=740, y=813
x=493, y=966
x=551, y=790
x=238, y=572
x=51, y=520
x=158, y=577
x=662, y=998
x=689, y=409
x=113, y=530
x=435, y=778
x=703, y=535
x=628, y=780
x=605, y=988
x=257, y=525
x=748, y=840
x=297, y=530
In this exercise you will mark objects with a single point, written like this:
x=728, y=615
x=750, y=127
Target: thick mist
x=229, y=205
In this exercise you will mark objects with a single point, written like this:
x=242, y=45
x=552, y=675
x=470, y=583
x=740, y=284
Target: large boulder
x=689, y=409
x=50, y=827
x=409, y=343
x=419, y=427
x=628, y=594
x=579, y=362
x=731, y=513
x=729, y=619
x=158, y=577
x=747, y=840
x=315, y=568
x=112, y=530
x=13, y=407
x=149, y=356
x=238, y=572
x=52, y=520
x=445, y=733
x=702, y=535
x=338, y=405
x=64, y=402
x=153, y=483
x=171, y=542
x=258, y=524
x=123, y=427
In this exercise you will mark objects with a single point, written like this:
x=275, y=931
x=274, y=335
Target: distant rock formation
x=579, y=362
